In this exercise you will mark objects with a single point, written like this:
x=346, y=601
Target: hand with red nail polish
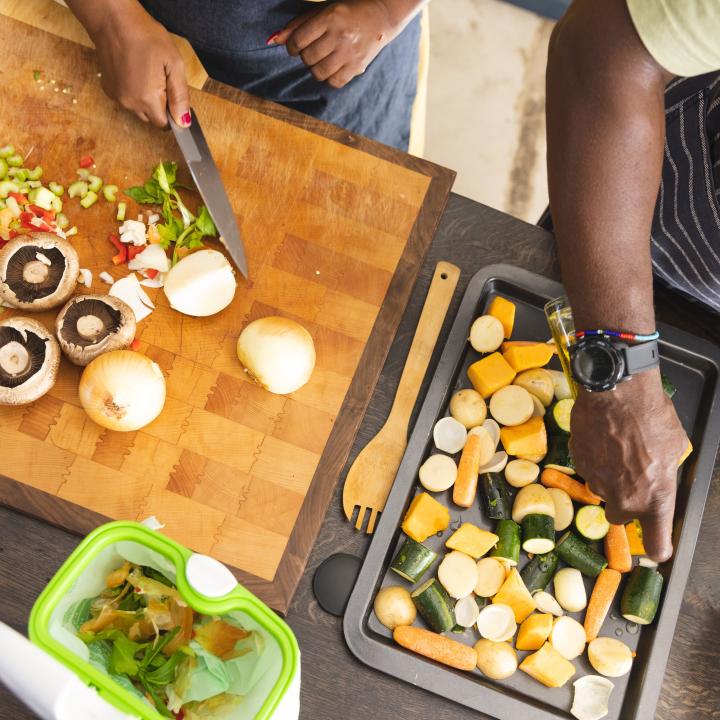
x=141, y=67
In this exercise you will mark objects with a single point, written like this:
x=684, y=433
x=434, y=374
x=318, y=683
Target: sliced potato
x=537, y=382
x=538, y=407
x=458, y=574
x=533, y=499
x=496, y=463
x=487, y=444
x=561, y=386
x=511, y=405
x=496, y=660
x=568, y=637
x=493, y=428
x=486, y=334
x=438, y=473
x=490, y=577
x=394, y=606
x=520, y=473
x=610, y=657
x=564, y=510
x=468, y=407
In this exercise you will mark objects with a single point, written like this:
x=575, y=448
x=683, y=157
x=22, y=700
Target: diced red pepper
x=26, y=221
x=133, y=250
x=14, y=234
x=19, y=197
x=86, y=161
x=122, y=255
x=151, y=273
x=47, y=215
x=135, y=344
x=3, y=243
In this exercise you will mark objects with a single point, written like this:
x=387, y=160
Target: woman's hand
x=141, y=67
x=339, y=41
x=627, y=444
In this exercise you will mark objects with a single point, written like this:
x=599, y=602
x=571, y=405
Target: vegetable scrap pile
x=546, y=528
x=184, y=664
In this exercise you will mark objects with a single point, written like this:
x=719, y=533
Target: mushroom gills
x=31, y=278
x=20, y=356
x=88, y=320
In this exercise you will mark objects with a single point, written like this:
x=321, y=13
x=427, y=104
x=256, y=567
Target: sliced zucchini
x=413, y=560
x=559, y=422
x=578, y=554
x=508, y=546
x=434, y=606
x=591, y=523
x=641, y=598
x=538, y=533
x=494, y=496
x=538, y=573
x=558, y=455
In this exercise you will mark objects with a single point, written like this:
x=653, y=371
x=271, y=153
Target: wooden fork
x=372, y=474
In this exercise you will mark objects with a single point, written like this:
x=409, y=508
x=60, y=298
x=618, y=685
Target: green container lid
x=222, y=595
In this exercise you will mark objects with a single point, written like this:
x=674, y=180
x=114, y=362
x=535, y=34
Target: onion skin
x=122, y=390
x=278, y=353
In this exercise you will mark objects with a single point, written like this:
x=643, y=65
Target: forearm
x=605, y=118
x=93, y=15
x=401, y=12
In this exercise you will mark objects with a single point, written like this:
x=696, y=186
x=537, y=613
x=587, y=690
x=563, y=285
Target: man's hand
x=626, y=445
x=338, y=42
x=141, y=67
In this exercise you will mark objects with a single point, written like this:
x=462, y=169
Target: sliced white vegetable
x=547, y=603
x=496, y=463
x=490, y=577
x=466, y=611
x=494, y=429
x=497, y=622
x=560, y=385
x=647, y=562
x=564, y=510
x=133, y=232
x=568, y=637
x=511, y=405
x=538, y=407
x=438, y=473
x=496, y=660
x=487, y=446
x=153, y=257
x=610, y=657
x=449, y=435
x=520, y=473
x=592, y=697
x=106, y=277
x=533, y=499
x=157, y=282
x=570, y=589
x=85, y=277
x=458, y=574
x=486, y=334
x=468, y=407
x=129, y=290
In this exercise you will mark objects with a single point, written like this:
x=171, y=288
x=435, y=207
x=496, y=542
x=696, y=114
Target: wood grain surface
x=334, y=683
x=334, y=232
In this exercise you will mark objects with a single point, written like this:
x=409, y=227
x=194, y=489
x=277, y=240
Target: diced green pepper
x=89, y=200
x=78, y=189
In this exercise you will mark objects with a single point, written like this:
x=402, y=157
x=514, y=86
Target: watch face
x=596, y=364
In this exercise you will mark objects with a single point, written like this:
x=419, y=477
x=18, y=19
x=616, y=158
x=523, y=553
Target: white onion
x=201, y=284
x=122, y=390
x=278, y=353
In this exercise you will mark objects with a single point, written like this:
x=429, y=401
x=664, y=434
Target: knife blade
x=207, y=178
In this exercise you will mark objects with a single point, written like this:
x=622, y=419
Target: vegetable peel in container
x=130, y=614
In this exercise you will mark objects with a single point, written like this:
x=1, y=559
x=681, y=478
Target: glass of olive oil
x=560, y=319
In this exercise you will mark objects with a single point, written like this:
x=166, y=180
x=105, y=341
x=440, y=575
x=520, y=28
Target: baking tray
x=693, y=365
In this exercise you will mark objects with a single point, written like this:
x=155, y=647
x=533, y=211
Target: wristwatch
x=599, y=363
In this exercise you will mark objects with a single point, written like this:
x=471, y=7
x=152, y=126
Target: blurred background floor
x=486, y=102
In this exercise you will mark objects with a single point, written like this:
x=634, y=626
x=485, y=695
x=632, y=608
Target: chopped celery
x=8, y=186
x=3, y=168
x=56, y=203
x=110, y=192
x=56, y=189
x=33, y=184
x=15, y=161
x=7, y=151
x=42, y=197
x=72, y=231
x=78, y=189
x=13, y=206
x=2, y=205
x=89, y=200
x=20, y=174
x=122, y=209
x=35, y=174
x=83, y=173
x=94, y=183
x=62, y=221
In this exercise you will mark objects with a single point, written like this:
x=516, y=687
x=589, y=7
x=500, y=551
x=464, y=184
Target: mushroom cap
x=32, y=349
x=90, y=325
x=27, y=282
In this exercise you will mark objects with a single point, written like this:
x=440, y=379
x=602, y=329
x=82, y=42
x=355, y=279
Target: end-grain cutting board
x=335, y=230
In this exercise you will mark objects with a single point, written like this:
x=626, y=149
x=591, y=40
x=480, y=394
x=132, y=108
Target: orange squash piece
x=528, y=357
x=528, y=440
x=490, y=374
x=635, y=537
x=504, y=311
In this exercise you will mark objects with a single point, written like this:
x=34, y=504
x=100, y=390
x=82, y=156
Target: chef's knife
x=207, y=178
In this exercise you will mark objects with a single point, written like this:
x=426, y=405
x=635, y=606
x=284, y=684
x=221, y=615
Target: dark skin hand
x=340, y=40
x=605, y=120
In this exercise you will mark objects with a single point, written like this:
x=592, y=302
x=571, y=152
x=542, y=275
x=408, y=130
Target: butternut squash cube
x=472, y=540
x=504, y=311
x=527, y=441
x=490, y=374
x=425, y=517
x=528, y=357
x=534, y=631
x=634, y=533
x=514, y=593
x=548, y=666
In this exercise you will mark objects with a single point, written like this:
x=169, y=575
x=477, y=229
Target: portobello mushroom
x=37, y=272
x=90, y=325
x=29, y=361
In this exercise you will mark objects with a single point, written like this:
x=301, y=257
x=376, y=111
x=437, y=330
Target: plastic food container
x=204, y=584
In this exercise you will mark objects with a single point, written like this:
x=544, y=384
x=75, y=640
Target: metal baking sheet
x=693, y=365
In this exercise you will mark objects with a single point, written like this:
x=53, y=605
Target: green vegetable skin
x=538, y=573
x=558, y=456
x=559, y=417
x=578, y=554
x=641, y=597
x=508, y=544
x=668, y=386
x=538, y=533
x=434, y=605
x=591, y=523
x=412, y=560
x=495, y=496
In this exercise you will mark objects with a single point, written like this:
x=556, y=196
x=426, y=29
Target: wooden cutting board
x=335, y=228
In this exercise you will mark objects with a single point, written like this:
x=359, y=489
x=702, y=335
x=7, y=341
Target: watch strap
x=643, y=356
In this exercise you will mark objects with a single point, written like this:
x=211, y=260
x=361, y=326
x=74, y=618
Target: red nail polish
x=186, y=120
x=271, y=40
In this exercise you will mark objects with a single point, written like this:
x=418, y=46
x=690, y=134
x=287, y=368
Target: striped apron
x=229, y=38
x=685, y=238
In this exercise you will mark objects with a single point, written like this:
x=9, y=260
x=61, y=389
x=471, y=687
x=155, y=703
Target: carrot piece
x=465, y=487
x=606, y=585
x=576, y=490
x=436, y=647
x=633, y=530
x=617, y=549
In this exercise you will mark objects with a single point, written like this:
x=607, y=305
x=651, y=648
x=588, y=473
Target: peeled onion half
x=278, y=353
x=201, y=284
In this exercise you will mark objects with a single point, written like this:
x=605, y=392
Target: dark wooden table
x=335, y=685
